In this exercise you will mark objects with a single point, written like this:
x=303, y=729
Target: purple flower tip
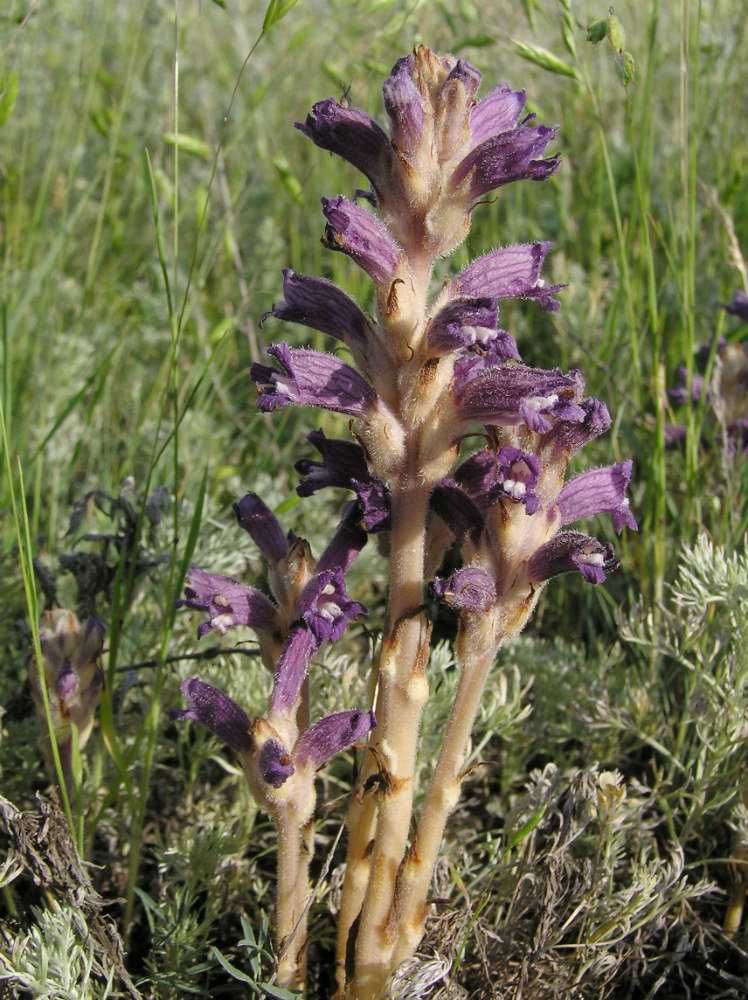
x=213, y=709
x=274, y=763
x=470, y=589
x=331, y=735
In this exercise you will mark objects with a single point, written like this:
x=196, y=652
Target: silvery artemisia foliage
x=431, y=370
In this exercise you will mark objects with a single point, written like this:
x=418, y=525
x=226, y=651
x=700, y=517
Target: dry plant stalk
x=426, y=372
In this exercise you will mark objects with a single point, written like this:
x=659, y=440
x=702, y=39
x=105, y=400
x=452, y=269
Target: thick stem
x=401, y=696
x=292, y=888
x=411, y=908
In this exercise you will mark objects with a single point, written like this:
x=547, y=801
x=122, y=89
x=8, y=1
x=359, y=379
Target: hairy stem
x=401, y=696
x=292, y=887
x=413, y=882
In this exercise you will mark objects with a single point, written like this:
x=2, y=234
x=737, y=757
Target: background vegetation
x=151, y=189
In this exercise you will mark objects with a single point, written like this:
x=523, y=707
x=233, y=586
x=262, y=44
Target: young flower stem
x=402, y=693
x=415, y=874
x=292, y=890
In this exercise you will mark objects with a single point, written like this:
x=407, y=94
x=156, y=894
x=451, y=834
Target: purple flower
x=404, y=104
x=459, y=512
x=512, y=272
x=498, y=112
x=344, y=464
x=351, y=135
x=326, y=607
x=568, y=551
x=599, y=491
x=227, y=602
x=311, y=378
x=274, y=763
x=347, y=542
x=513, y=155
x=359, y=234
x=254, y=515
x=213, y=709
x=322, y=306
x=509, y=394
x=469, y=589
x=681, y=395
x=516, y=477
x=331, y=735
x=567, y=436
x=464, y=323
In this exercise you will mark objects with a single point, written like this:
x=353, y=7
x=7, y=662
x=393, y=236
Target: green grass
x=133, y=274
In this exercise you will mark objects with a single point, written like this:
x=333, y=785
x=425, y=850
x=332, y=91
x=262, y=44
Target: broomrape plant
x=431, y=375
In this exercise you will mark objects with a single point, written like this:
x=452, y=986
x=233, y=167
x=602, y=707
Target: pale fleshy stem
x=292, y=889
x=401, y=695
x=411, y=908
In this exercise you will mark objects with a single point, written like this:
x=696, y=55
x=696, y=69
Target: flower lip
x=326, y=607
x=470, y=589
x=311, y=378
x=570, y=550
x=511, y=272
x=331, y=735
x=359, y=234
x=213, y=709
x=598, y=491
x=227, y=602
x=321, y=305
x=274, y=763
x=350, y=134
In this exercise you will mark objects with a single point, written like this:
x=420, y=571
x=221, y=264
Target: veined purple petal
x=506, y=157
x=464, y=323
x=512, y=272
x=350, y=134
x=498, y=112
x=469, y=589
x=274, y=763
x=359, y=234
x=570, y=550
x=467, y=76
x=263, y=527
x=291, y=668
x=511, y=394
x=403, y=103
x=213, y=709
x=331, y=735
x=566, y=437
x=462, y=516
x=599, y=491
x=517, y=474
x=326, y=607
x=227, y=602
x=476, y=475
x=311, y=378
x=738, y=306
x=346, y=543
x=322, y=306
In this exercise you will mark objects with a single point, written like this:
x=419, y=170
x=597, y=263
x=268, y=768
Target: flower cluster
x=428, y=374
x=311, y=606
